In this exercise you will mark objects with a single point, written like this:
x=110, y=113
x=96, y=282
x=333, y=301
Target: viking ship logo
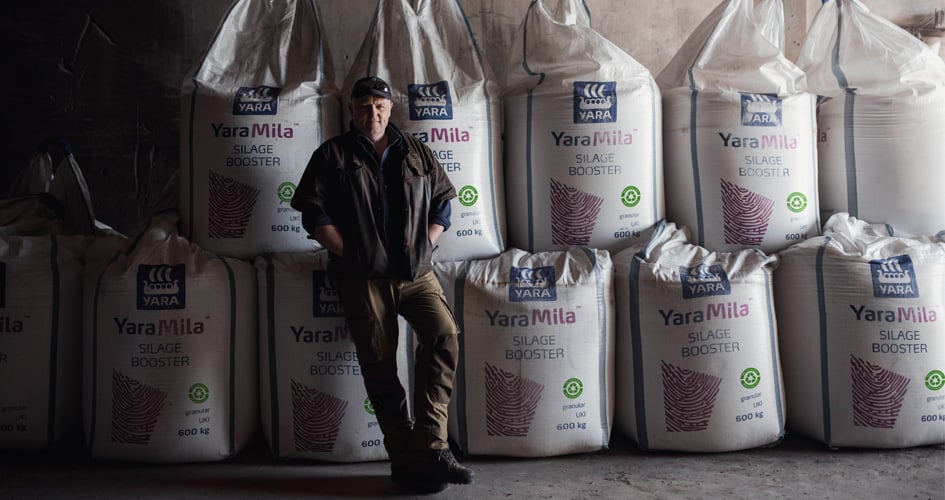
x=703, y=280
x=161, y=287
x=261, y=100
x=531, y=284
x=595, y=102
x=894, y=277
x=326, y=301
x=430, y=101
x=761, y=110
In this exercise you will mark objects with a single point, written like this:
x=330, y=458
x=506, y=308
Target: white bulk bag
x=312, y=397
x=444, y=94
x=170, y=354
x=253, y=109
x=861, y=315
x=45, y=228
x=535, y=375
x=40, y=332
x=583, y=150
x=697, y=353
x=881, y=119
x=739, y=134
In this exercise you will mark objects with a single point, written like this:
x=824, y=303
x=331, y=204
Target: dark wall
x=105, y=75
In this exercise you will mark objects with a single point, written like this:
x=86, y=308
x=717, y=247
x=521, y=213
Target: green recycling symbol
x=285, y=191
x=750, y=378
x=468, y=196
x=368, y=407
x=198, y=393
x=796, y=202
x=935, y=380
x=630, y=196
x=573, y=388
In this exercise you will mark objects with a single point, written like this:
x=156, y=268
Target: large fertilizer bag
x=739, y=134
x=861, y=314
x=170, y=349
x=880, y=119
x=445, y=94
x=697, y=355
x=312, y=397
x=254, y=108
x=583, y=150
x=44, y=232
x=535, y=375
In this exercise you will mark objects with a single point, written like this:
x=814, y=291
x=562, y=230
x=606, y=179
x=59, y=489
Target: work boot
x=407, y=479
x=436, y=466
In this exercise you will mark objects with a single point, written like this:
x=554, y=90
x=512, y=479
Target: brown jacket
x=342, y=184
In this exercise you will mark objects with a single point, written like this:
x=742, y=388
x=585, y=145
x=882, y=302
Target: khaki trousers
x=371, y=307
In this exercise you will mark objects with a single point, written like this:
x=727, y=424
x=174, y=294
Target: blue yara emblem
x=761, y=110
x=595, y=102
x=161, y=287
x=894, y=277
x=530, y=284
x=703, y=281
x=261, y=100
x=430, y=101
x=326, y=301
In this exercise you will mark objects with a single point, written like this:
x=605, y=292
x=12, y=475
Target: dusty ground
x=796, y=468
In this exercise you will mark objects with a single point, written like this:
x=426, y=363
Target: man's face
x=370, y=115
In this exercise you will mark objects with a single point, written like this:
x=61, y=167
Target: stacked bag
x=697, y=352
x=583, y=147
x=445, y=94
x=45, y=228
x=862, y=319
x=879, y=118
x=738, y=130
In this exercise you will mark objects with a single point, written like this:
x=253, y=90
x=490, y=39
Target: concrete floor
x=796, y=468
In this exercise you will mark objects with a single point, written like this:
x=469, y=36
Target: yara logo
x=703, y=281
x=529, y=284
x=430, y=101
x=326, y=301
x=261, y=100
x=761, y=110
x=894, y=277
x=161, y=287
x=595, y=102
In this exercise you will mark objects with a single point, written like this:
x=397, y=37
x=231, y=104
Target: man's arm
x=439, y=220
x=329, y=237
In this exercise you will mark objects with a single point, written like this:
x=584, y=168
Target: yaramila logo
x=326, y=301
x=761, y=110
x=430, y=101
x=161, y=287
x=595, y=102
x=894, y=277
x=261, y=100
x=704, y=281
x=532, y=284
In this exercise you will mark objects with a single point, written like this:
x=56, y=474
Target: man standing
x=378, y=200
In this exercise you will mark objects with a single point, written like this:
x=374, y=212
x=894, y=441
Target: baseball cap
x=370, y=85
